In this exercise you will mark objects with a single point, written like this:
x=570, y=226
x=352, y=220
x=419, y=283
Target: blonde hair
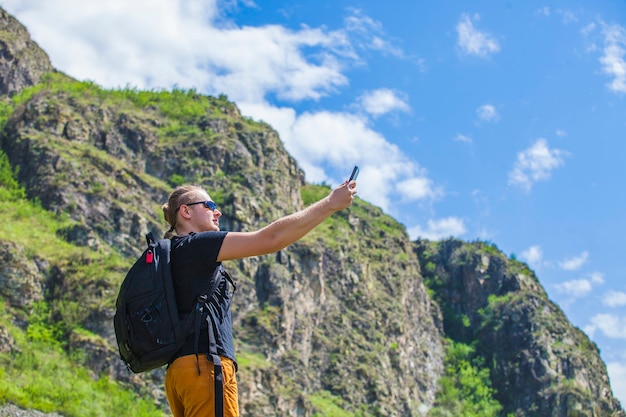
x=183, y=194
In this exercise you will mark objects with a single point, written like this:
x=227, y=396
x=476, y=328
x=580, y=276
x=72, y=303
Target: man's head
x=189, y=208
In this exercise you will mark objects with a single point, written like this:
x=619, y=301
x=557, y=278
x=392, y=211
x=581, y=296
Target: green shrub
x=176, y=180
x=465, y=388
x=10, y=190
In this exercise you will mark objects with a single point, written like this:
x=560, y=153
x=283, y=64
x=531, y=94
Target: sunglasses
x=207, y=204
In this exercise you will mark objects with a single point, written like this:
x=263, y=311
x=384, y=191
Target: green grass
x=40, y=375
x=177, y=104
x=328, y=405
x=34, y=230
x=251, y=360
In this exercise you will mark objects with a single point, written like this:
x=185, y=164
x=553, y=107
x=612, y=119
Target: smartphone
x=355, y=173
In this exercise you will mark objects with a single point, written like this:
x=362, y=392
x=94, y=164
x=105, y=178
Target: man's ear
x=184, y=211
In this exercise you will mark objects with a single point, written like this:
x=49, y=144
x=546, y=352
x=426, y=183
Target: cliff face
x=81, y=159
x=540, y=364
x=343, y=313
x=22, y=62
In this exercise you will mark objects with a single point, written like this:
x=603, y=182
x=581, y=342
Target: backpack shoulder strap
x=214, y=282
x=229, y=278
x=150, y=238
x=201, y=300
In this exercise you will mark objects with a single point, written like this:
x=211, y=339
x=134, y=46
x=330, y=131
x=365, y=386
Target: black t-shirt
x=194, y=259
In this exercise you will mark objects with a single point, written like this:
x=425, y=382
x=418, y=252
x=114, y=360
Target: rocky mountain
x=353, y=320
x=540, y=362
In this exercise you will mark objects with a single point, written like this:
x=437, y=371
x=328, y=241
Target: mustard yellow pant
x=192, y=395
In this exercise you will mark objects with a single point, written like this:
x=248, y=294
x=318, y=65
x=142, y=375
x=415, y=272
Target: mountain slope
x=541, y=364
x=340, y=323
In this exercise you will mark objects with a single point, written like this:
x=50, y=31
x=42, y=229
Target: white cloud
x=588, y=29
x=580, y=287
x=591, y=42
x=251, y=63
x=418, y=188
x=614, y=299
x=472, y=41
x=597, y=278
x=190, y=44
x=191, y=47
x=487, y=113
x=533, y=256
x=613, y=63
x=590, y=330
x=462, y=138
x=574, y=264
x=439, y=229
x=341, y=140
x=166, y=43
x=370, y=34
x=535, y=164
x=610, y=325
x=382, y=101
x=561, y=133
x=576, y=288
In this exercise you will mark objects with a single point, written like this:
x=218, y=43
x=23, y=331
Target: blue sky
x=490, y=120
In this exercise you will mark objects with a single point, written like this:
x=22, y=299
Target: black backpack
x=147, y=325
